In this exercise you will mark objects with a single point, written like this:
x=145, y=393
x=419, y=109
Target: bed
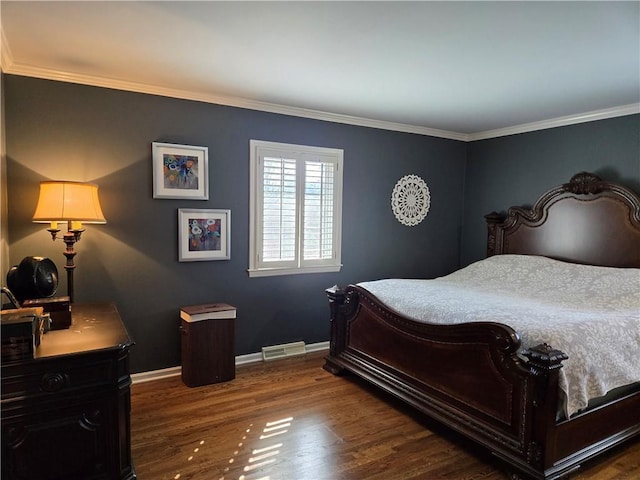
x=486, y=374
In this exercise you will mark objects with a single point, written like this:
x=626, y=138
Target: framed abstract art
x=180, y=171
x=204, y=234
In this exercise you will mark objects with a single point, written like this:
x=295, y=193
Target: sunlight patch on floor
x=190, y=458
x=264, y=454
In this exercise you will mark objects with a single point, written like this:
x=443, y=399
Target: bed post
x=336, y=297
x=544, y=364
x=493, y=219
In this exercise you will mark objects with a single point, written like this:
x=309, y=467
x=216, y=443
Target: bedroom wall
x=517, y=169
x=57, y=130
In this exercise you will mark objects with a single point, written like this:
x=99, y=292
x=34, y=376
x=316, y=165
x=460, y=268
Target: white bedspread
x=590, y=313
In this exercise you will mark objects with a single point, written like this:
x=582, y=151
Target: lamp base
x=58, y=308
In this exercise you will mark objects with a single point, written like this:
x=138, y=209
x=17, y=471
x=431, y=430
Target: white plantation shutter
x=296, y=202
x=318, y=211
x=279, y=209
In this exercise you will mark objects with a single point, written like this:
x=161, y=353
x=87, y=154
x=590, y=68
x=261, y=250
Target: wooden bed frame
x=468, y=376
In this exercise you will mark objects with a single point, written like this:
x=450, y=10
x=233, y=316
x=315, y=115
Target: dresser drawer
x=47, y=377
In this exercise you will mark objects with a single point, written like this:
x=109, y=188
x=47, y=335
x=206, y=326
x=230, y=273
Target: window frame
x=300, y=153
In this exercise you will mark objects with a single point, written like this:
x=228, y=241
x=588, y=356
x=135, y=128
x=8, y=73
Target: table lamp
x=74, y=203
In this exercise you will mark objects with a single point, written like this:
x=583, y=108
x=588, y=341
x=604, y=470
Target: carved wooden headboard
x=587, y=220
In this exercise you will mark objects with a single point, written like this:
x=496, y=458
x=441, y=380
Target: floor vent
x=281, y=351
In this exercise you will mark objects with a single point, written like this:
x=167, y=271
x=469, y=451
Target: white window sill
x=272, y=272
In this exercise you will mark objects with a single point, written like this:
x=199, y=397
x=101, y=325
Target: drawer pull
x=53, y=382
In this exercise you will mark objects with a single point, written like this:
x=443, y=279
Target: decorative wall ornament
x=410, y=200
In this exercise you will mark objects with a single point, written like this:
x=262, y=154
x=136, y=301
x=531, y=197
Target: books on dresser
x=207, y=311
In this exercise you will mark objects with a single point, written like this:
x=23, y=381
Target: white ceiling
x=455, y=69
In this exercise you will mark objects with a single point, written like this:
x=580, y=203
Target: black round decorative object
x=34, y=277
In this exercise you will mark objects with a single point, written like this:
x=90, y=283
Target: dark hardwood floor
x=291, y=420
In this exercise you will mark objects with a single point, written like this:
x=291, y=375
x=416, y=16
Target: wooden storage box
x=58, y=308
x=21, y=330
x=208, y=344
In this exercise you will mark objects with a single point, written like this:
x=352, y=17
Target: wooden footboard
x=471, y=378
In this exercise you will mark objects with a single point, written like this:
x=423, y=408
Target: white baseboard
x=240, y=360
x=318, y=347
x=155, y=374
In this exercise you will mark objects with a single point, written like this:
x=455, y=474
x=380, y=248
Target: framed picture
x=180, y=171
x=204, y=234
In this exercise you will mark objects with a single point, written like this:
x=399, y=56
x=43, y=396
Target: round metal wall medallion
x=410, y=200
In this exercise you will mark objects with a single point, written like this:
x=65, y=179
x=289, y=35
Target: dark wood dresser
x=66, y=412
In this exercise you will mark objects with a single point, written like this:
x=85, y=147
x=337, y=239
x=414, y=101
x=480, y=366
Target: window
x=296, y=209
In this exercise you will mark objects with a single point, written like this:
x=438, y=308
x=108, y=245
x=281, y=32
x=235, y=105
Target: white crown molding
x=10, y=67
x=49, y=74
x=558, y=122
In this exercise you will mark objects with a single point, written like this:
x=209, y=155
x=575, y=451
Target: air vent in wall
x=274, y=352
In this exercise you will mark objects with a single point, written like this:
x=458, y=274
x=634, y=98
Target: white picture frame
x=180, y=171
x=204, y=234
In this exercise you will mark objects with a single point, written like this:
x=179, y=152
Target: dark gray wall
x=58, y=130
x=517, y=169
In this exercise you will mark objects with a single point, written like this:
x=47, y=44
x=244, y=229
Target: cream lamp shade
x=68, y=201
x=74, y=203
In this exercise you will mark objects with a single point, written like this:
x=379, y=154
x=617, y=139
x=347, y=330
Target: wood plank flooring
x=291, y=420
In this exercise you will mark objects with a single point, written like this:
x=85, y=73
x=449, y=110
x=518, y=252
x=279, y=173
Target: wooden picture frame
x=180, y=171
x=204, y=234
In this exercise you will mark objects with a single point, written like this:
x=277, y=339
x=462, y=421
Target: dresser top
x=94, y=326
